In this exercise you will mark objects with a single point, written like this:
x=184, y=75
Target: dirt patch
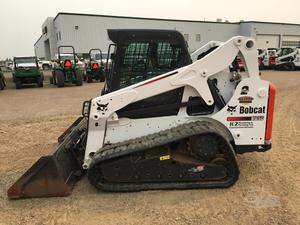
x=266, y=193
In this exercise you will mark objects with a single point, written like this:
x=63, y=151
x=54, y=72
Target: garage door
x=290, y=41
x=267, y=41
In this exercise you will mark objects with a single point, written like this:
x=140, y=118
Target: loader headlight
x=86, y=108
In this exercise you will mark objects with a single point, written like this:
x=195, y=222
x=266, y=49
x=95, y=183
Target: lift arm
x=205, y=48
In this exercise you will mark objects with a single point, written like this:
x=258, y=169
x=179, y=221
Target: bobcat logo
x=102, y=107
x=231, y=108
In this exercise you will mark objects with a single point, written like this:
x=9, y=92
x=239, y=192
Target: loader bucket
x=54, y=175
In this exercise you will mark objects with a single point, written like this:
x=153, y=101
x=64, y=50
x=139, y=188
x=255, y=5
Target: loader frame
x=195, y=76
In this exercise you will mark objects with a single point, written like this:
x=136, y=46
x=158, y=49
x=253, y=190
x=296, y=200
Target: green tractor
x=66, y=69
x=2, y=80
x=26, y=71
x=95, y=67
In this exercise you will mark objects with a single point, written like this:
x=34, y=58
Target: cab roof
x=25, y=57
x=119, y=36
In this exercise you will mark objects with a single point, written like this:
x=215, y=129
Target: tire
x=18, y=83
x=40, y=81
x=102, y=78
x=89, y=78
x=2, y=84
x=60, y=78
x=53, y=78
x=262, y=66
x=292, y=67
x=79, y=79
x=286, y=67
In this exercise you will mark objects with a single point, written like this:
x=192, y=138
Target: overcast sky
x=21, y=20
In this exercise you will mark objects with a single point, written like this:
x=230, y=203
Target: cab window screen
x=167, y=56
x=134, y=64
x=136, y=53
x=145, y=60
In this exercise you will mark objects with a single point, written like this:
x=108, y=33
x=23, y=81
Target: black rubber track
x=155, y=140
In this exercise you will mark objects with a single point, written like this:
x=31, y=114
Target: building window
x=198, y=37
x=59, y=34
x=290, y=43
x=186, y=37
x=76, y=27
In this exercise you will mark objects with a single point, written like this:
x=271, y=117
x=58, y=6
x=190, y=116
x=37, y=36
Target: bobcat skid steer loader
x=178, y=129
x=288, y=60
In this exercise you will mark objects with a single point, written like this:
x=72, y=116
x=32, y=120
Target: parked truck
x=26, y=71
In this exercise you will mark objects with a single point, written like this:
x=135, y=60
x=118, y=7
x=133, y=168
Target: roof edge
x=175, y=20
x=141, y=18
x=264, y=22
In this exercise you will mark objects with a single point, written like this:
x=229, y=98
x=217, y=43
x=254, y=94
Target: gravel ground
x=266, y=193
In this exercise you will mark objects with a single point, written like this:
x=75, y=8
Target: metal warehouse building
x=85, y=31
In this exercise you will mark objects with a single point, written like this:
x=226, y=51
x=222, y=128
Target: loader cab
x=139, y=55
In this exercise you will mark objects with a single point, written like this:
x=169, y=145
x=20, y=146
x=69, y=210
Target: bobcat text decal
x=252, y=110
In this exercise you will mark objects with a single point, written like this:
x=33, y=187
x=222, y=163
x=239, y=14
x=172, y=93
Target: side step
x=55, y=175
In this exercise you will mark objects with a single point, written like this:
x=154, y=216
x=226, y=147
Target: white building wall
x=279, y=30
x=46, y=38
x=246, y=29
x=52, y=38
x=267, y=41
x=92, y=30
x=39, y=48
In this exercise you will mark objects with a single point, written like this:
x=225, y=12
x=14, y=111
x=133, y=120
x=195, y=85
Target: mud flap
x=55, y=174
